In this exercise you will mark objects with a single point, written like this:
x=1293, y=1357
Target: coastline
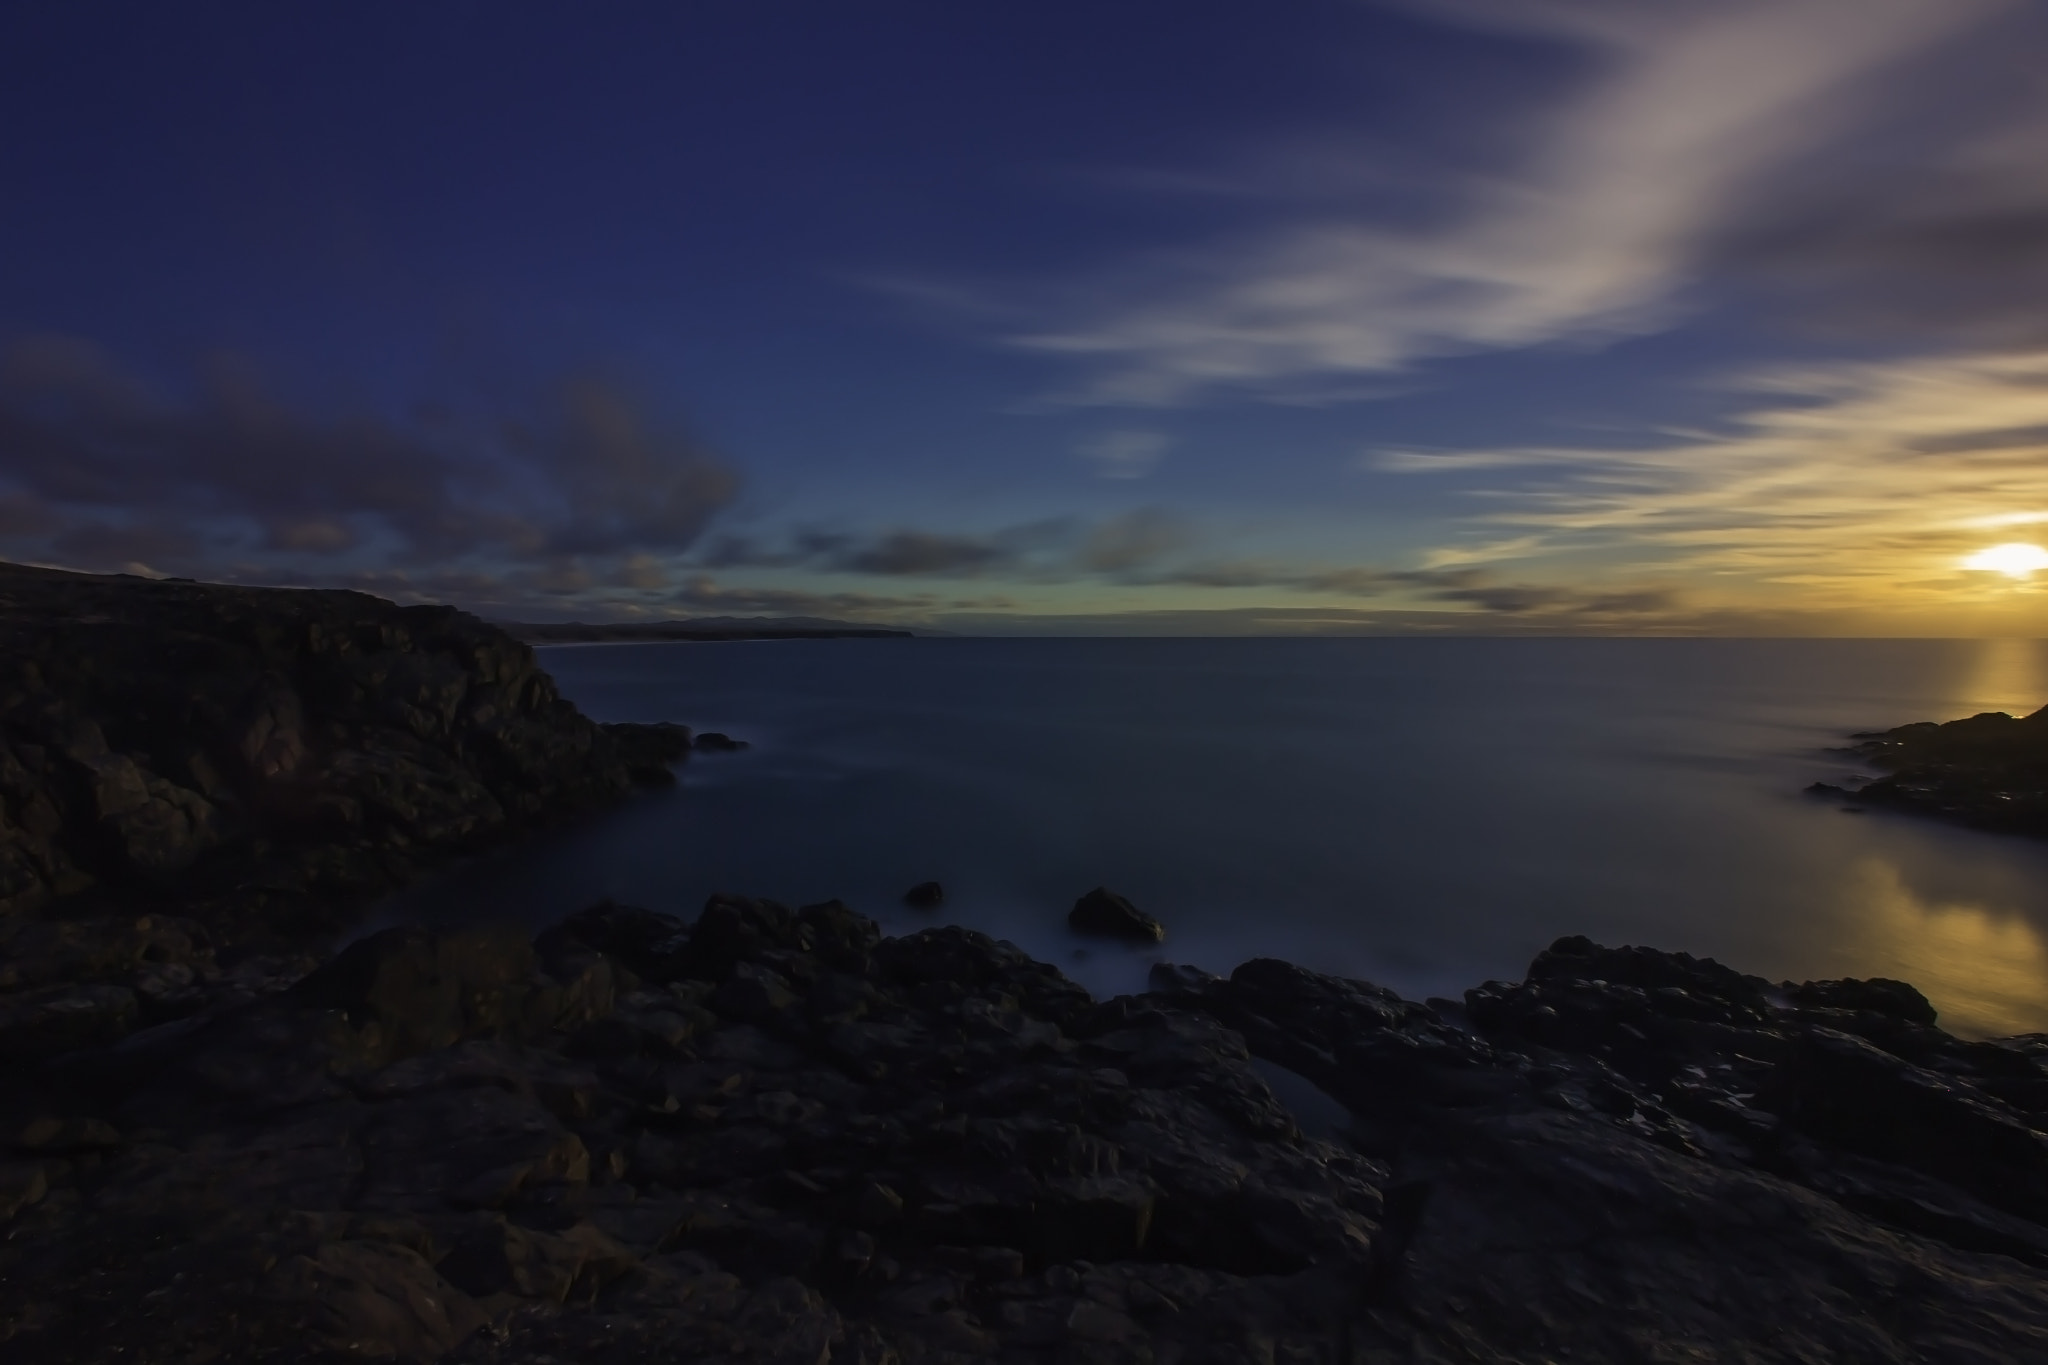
x=771, y=1133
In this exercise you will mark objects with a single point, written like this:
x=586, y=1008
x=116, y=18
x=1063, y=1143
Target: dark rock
x=650, y=944
x=775, y=1135
x=1104, y=912
x=264, y=760
x=925, y=896
x=1880, y=995
x=649, y=748
x=1988, y=770
x=425, y=990
x=716, y=742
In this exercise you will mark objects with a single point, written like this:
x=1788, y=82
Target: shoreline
x=777, y=1132
x=768, y=1133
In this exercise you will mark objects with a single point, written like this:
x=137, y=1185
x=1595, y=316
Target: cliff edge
x=246, y=755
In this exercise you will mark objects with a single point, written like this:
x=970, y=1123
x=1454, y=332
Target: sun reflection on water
x=1985, y=971
x=2008, y=675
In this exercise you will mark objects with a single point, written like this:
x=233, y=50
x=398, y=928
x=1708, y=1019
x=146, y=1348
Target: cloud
x=1676, y=149
x=1857, y=485
x=923, y=554
x=1472, y=587
x=1133, y=541
x=705, y=594
x=1046, y=549
x=1126, y=454
x=109, y=462
x=1395, y=621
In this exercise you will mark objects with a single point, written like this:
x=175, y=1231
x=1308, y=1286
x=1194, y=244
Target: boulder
x=650, y=752
x=423, y=990
x=1879, y=995
x=925, y=896
x=1104, y=912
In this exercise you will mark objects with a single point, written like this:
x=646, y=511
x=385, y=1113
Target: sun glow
x=2017, y=560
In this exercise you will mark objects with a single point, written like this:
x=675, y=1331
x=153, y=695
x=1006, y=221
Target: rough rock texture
x=1988, y=770
x=199, y=782
x=251, y=745
x=775, y=1135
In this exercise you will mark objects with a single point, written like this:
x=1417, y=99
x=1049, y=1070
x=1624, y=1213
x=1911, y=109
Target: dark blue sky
x=1567, y=314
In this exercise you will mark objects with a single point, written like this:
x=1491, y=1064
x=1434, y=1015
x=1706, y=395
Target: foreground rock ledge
x=774, y=1135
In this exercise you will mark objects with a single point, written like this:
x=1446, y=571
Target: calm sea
x=1422, y=813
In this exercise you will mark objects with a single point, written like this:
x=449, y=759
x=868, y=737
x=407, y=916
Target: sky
x=1484, y=316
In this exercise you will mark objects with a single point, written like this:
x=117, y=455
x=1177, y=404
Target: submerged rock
x=1104, y=912
x=925, y=896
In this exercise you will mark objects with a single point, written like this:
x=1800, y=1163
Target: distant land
x=697, y=628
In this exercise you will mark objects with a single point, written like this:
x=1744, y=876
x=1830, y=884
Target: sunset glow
x=1253, y=330
x=2015, y=560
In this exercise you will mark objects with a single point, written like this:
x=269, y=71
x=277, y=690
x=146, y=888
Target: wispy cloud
x=1045, y=550
x=1667, y=154
x=1126, y=454
x=1855, y=483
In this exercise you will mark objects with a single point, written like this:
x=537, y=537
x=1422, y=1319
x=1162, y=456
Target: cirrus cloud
x=1688, y=149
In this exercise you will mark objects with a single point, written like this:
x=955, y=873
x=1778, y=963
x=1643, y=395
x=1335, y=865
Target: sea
x=1422, y=813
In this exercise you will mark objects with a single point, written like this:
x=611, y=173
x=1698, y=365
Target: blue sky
x=1559, y=315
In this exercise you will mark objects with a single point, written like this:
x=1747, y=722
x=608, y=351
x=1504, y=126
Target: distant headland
x=700, y=628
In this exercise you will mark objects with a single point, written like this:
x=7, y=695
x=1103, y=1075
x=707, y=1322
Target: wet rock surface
x=1989, y=771
x=773, y=1134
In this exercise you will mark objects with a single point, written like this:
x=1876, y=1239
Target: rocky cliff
x=775, y=1136
x=236, y=752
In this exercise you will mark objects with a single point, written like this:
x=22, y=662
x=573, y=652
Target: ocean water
x=1424, y=813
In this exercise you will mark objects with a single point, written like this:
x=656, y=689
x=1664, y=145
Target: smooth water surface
x=1422, y=813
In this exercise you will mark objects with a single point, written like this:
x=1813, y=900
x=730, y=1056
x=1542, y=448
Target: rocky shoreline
x=200, y=785
x=774, y=1135
x=1988, y=771
x=764, y=1134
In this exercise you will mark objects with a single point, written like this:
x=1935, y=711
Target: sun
x=2017, y=560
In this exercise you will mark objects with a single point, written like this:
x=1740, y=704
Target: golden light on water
x=1986, y=972
x=2016, y=559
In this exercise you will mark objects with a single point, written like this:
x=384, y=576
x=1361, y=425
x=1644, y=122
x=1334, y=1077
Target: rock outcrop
x=776, y=1135
x=241, y=751
x=1103, y=912
x=1988, y=770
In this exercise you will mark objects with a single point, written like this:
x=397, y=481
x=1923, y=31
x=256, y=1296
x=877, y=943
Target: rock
x=925, y=896
x=650, y=944
x=716, y=742
x=1880, y=995
x=649, y=751
x=423, y=990
x=256, y=756
x=372, y=1299
x=772, y=1134
x=1988, y=770
x=53, y=1020
x=1104, y=912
